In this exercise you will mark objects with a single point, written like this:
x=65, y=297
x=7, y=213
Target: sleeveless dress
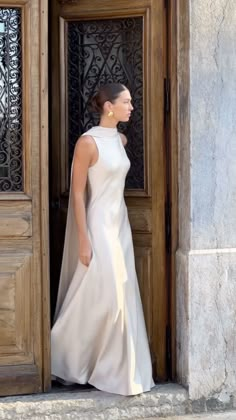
x=99, y=335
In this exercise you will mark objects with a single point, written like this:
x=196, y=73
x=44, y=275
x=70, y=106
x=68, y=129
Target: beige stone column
x=206, y=258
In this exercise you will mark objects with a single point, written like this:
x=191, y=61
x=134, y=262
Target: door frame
x=178, y=18
x=179, y=122
x=44, y=193
x=172, y=173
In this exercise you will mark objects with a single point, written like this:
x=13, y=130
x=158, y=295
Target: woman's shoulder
x=85, y=144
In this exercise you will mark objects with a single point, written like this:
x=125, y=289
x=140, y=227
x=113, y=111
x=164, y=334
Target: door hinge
x=168, y=351
x=168, y=225
x=166, y=97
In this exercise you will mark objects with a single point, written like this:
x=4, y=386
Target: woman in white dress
x=99, y=335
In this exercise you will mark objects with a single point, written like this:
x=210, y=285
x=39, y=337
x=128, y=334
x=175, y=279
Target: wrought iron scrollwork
x=99, y=52
x=11, y=172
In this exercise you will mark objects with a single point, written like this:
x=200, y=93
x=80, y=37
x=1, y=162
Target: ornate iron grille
x=100, y=52
x=11, y=176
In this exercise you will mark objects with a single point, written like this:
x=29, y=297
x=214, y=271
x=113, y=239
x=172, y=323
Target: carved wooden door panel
x=23, y=195
x=95, y=42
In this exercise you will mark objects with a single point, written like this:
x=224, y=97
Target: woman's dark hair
x=109, y=92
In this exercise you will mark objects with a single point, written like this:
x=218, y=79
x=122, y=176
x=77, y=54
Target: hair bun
x=109, y=92
x=94, y=104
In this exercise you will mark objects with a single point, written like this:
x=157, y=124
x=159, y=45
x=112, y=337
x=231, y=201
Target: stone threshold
x=162, y=401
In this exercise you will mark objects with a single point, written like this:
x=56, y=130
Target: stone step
x=229, y=415
x=164, y=400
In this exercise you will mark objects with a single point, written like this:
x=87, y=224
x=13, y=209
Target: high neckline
x=105, y=131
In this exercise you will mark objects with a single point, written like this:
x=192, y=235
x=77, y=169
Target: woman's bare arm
x=84, y=156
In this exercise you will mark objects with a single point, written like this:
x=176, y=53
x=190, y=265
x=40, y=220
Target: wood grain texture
x=180, y=128
x=27, y=128
x=104, y=8
x=23, y=224
x=7, y=309
x=143, y=261
x=15, y=219
x=15, y=308
x=19, y=225
x=158, y=165
x=67, y=1
x=13, y=3
x=36, y=281
x=140, y=219
x=173, y=22
x=25, y=377
x=44, y=187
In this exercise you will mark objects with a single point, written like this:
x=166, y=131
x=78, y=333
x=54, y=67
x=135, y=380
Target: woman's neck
x=108, y=122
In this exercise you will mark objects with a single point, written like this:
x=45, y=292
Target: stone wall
x=206, y=258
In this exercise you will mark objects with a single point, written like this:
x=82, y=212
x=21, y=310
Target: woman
x=99, y=335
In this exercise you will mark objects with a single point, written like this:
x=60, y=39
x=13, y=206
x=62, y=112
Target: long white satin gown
x=99, y=335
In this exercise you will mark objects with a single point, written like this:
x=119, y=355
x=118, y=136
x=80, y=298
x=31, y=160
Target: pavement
x=166, y=401
x=229, y=415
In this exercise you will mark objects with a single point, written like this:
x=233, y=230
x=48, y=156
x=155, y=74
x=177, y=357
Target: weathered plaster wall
x=213, y=123
x=206, y=259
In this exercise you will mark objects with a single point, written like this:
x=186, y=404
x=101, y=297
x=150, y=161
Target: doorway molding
x=178, y=71
x=180, y=128
x=178, y=39
x=44, y=189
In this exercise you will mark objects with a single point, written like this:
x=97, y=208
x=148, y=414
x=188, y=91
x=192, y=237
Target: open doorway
x=90, y=45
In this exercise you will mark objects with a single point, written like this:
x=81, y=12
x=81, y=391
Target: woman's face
x=122, y=107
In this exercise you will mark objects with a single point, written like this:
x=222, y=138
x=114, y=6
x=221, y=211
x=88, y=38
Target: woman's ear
x=107, y=107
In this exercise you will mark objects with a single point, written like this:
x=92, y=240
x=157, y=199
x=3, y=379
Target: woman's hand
x=85, y=251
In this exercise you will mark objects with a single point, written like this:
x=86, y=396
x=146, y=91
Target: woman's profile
x=99, y=335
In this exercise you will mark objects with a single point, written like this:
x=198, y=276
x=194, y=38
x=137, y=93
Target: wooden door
x=100, y=41
x=23, y=195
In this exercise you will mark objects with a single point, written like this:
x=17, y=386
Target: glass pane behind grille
x=11, y=173
x=100, y=52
